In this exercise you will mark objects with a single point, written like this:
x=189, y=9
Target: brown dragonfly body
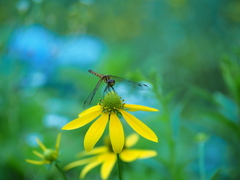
x=106, y=78
x=110, y=81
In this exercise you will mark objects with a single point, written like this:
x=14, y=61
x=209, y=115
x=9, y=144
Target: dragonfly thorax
x=110, y=82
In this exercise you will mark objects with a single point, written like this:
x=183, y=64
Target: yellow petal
x=81, y=121
x=95, y=132
x=58, y=141
x=134, y=107
x=79, y=163
x=116, y=133
x=90, y=110
x=36, y=162
x=139, y=126
x=108, y=164
x=38, y=154
x=143, y=154
x=129, y=155
x=131, y=140
x=88, y=167
x=41, y=144
x=98, y=150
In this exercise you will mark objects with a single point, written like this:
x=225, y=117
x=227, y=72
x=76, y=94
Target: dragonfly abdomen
x=96, y=74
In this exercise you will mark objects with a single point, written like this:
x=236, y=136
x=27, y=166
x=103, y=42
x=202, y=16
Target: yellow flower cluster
x=109, y=110
x=49, y=155
x=105, y=157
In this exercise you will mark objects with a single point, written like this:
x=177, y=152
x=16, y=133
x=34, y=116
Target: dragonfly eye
x=111, y=82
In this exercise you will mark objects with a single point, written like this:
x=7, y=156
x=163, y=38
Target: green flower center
x=50, y=155
x=112, y=102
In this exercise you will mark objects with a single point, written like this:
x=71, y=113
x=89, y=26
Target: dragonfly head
x=110, y=82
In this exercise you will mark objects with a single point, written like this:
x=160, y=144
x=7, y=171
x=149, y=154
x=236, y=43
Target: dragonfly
x=110, y=82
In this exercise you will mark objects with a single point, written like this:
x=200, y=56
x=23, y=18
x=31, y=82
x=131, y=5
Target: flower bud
x=50, y=155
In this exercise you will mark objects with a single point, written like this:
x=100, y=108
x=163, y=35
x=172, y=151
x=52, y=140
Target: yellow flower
x=105, y=156
x=109, y=110
x=48, y=155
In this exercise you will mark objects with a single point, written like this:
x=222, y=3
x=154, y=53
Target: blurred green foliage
x=188, y=51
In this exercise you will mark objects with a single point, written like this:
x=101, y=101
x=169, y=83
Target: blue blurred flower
x=31, y=139
x=83, y=50
x=34, y=44
x=44, y=49
x=54, y=120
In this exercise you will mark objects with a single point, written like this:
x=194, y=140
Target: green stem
x=201, y=161
x=61, y=171
x=119, y=167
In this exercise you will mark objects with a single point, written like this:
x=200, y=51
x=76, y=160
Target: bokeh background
x=187, y=51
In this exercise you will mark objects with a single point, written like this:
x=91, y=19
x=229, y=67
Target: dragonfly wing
x=135, y=85
x=90, y=97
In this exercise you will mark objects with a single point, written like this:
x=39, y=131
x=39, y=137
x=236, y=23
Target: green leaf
x=216, y=175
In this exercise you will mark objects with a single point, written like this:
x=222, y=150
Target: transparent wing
x=131, y=84
x=88, y=101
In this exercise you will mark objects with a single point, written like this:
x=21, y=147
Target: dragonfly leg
x=108, y=89
x=112, y=88
x=105, y=90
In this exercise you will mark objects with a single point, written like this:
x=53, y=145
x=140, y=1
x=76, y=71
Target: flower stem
x=61, y=171
x=119, y=167
x=201, y=161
